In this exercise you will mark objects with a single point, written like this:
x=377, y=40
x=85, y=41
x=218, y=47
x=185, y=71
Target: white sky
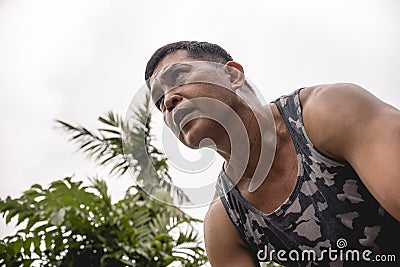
x=75, y=60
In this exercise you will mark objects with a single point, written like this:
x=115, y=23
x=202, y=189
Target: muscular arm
x=347, y=122
x=224, y=245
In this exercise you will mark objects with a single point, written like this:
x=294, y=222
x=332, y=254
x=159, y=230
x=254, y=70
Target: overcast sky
x=76, y=60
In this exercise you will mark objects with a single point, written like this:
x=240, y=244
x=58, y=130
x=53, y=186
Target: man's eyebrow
x=167, y=68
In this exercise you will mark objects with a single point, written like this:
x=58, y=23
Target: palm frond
x=103, y=145
x=128, y=144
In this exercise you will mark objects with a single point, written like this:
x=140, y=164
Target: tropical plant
x=127, y=145
x=72, y=224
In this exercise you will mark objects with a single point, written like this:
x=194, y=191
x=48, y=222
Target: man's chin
x=195, y=137
x=195, y=143
x=189, y=142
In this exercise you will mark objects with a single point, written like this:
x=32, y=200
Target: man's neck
x=251, y=156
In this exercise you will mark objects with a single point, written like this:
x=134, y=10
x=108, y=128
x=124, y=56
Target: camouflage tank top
x=329, y=219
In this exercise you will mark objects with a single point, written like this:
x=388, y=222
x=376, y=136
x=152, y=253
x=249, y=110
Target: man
x=306, y=177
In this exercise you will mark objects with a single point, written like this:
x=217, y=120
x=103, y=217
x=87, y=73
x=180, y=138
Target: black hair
x=195, y=49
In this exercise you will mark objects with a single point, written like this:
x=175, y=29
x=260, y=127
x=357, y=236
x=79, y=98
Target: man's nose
x=171, y=101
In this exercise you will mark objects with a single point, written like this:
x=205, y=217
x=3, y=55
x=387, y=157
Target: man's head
x=195, y=84
x=197, y=50
x=192, y=76
x=206, y=101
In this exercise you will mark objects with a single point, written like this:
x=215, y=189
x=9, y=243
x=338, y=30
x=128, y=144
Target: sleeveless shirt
x=329, y=210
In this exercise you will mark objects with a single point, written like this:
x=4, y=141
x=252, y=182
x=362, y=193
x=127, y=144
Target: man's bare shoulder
x=325, y=93
x=224, y=245
x=217, y=219
x=330, y=110
x=347, y=122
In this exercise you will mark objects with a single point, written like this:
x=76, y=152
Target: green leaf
x=11, y=214
x=127, y=262
x=59, y=184
x=48, y=241
x=38, y=186
x=18, y=245
x=32, y=220
x=31, y=193
x=27, y=245
x=105, y=121
x=23, y=215
x=57, y=217
x=28, y=262
x=111, y=131
x=36, y=243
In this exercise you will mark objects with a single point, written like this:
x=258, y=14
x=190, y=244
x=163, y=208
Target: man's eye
x=177, y=75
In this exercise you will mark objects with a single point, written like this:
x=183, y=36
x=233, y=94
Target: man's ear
x=236, y=74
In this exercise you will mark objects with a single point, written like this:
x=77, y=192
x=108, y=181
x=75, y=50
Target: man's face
x=194, y=97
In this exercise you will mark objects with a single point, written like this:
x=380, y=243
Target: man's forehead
x=176, y=57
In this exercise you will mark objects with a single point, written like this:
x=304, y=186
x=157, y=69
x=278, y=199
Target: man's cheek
x=171, y=125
